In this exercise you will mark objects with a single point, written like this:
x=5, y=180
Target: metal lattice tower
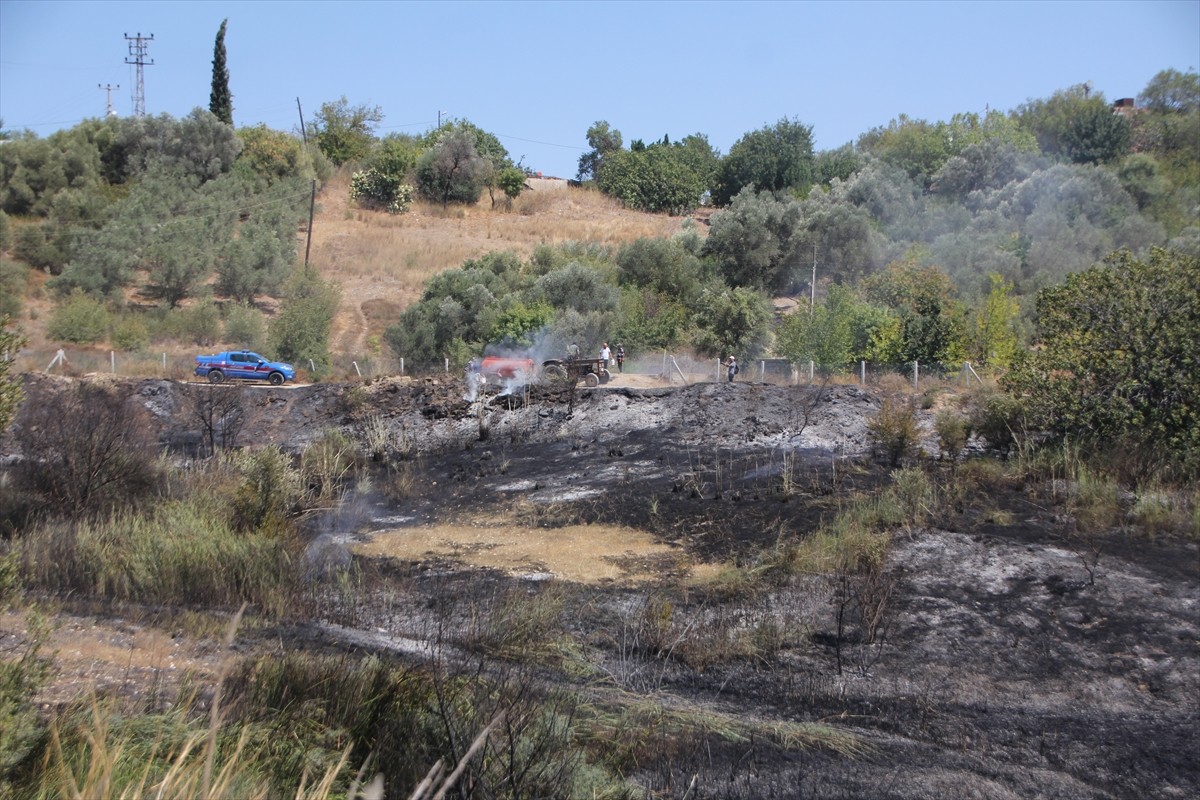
x=138, y=45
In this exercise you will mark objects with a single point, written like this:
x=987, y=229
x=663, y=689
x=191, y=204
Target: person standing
x=620, y=357
x=731, y=368
x=605, y=354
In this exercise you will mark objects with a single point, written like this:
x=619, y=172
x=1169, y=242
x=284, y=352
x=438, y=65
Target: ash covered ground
x=1013, y=654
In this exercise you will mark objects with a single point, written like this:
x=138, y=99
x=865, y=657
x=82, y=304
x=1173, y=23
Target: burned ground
x=1004, y=651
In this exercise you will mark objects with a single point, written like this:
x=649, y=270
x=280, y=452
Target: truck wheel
x=592, y=379
x=215, y=376
x=275, y=378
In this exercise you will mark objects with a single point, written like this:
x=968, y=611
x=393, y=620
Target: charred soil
x=1002, y=650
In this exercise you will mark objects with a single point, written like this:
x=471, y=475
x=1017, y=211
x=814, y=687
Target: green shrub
x=953, y=431
x=893, y=430
x=374, y=189
x=80, y=319
x=200, y=324
x=130, y=333
x=301, y=330
x=33, y=246
x=245, y=327
x=270, y=491
x=999, y=419
x=13, y=278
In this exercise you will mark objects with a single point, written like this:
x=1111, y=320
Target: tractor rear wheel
x=592, y=379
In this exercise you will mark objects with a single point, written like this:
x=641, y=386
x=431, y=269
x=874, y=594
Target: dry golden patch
x=376, y=256
x=91, y=653
x=580, y=553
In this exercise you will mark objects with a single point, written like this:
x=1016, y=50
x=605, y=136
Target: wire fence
x=670, y=368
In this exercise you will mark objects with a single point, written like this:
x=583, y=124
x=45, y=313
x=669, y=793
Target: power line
x=547, y=144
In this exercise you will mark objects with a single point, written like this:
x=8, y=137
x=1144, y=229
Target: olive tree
x=452, y=170
x=1116, y=368
x=731, y=321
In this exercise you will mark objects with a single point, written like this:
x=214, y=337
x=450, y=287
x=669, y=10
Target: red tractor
x=507, y=368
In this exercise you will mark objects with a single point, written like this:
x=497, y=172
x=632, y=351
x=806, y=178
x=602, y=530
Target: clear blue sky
x=539, y=74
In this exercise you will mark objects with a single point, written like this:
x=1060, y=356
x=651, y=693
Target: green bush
x=245, y=327
x=80, y=319
x=999, y=419
x=130, y=333
x=374, y=189
x=301, y=330
x=270, y=491
x=894, y=430
x=13, y=278
x=36, y=249
x=200, y=324
x=953, y=431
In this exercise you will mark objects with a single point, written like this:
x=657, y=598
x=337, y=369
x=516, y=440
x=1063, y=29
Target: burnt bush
x=86, y=452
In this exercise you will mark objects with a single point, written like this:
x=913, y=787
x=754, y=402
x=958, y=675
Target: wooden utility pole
x=812, y=300
x=312, y=207
x=303, y=133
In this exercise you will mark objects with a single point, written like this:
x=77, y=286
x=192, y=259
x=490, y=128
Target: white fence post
x=356, y=369
x=916, y=374
x=810, y=371
x=112, y=357
x=718, y=370
x=863, y=379
x=447, y=366
x=401, y=365
x=762, y=370
x=311, y=366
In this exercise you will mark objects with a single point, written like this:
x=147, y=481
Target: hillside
x=382, y=261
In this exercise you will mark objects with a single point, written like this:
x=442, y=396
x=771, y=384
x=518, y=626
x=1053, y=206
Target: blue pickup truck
x=243, y=365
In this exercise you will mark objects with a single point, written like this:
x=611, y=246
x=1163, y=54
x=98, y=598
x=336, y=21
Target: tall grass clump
x=177, y=554
x=858, y=538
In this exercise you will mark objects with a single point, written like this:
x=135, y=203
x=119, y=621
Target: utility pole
x=109, y=112
x=138, y=46
x=812, y=300
x=303, y=132
x=440, y=112
x=312, y=209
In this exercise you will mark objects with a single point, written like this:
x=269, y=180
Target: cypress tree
x=220, y=102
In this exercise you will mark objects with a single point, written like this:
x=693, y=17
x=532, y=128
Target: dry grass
x=589, y=554
x=383, y=259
